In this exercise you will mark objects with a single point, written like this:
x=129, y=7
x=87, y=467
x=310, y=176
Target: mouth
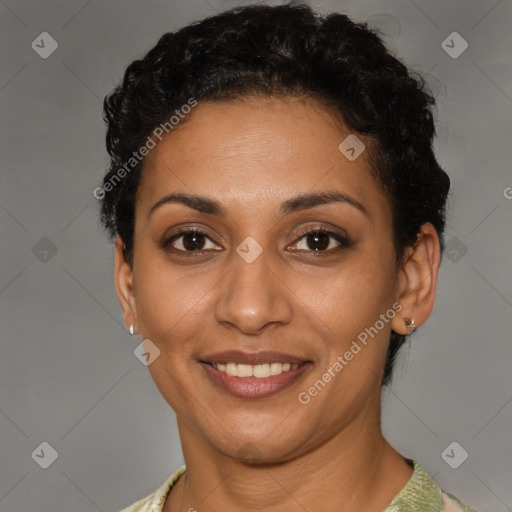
x=257, y=375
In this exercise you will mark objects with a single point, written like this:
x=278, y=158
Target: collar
x=420, y=494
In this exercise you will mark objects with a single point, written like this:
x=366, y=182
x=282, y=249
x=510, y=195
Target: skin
x=244, y=454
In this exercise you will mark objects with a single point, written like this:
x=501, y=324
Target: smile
x=260, y=371
x=254, y=381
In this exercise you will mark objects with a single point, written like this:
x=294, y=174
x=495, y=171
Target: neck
x=366, y=473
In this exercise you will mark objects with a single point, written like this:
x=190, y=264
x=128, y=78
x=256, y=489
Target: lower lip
x=254, y=387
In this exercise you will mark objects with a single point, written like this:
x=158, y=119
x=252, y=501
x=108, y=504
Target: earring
x=132, y=332
x=409, y=323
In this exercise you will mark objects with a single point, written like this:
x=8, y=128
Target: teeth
x=260, y=371
x=244, y=370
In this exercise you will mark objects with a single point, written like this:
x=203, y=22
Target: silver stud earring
x=409, y=323
x=132, y=332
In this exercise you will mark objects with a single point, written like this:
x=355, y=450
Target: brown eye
x=318, y=241
x=321, y=241
x=193, y=241
x=189, y=241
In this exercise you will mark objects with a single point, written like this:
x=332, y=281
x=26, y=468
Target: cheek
x=171, y=313
x=351, y=297
x=170, y=301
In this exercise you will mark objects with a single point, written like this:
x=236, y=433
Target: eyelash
x=343, y=241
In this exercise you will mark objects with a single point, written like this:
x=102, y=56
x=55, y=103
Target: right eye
x=189, y=240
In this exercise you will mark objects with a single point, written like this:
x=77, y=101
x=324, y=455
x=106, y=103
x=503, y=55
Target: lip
x=252, y=358
x=254, y=387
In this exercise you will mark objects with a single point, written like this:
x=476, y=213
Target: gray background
x=68, y=375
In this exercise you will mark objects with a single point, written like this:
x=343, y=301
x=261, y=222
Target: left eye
x=320, y=241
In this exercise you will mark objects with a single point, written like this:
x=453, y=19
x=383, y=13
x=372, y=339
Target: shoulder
x=422, y=493
x=153, y=502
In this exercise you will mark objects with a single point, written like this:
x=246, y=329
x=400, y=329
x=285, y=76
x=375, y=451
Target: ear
x=124, y=287
x=417, y=279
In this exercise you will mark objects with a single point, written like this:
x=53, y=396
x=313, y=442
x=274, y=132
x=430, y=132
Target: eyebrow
x=294, y=204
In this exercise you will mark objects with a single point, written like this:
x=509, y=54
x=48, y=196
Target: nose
x=253, y=296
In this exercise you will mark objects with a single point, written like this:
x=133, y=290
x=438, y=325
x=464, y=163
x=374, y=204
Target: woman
x=278, y=215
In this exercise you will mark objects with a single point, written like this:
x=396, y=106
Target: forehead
x=255, y=149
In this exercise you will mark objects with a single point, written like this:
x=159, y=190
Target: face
x=230, y=255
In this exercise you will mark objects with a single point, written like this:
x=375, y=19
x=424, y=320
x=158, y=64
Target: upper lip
x=252, y=358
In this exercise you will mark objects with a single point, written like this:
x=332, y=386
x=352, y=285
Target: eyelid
x=323, y=229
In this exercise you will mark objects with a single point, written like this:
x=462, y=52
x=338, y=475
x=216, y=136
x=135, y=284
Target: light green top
x=420, y=494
